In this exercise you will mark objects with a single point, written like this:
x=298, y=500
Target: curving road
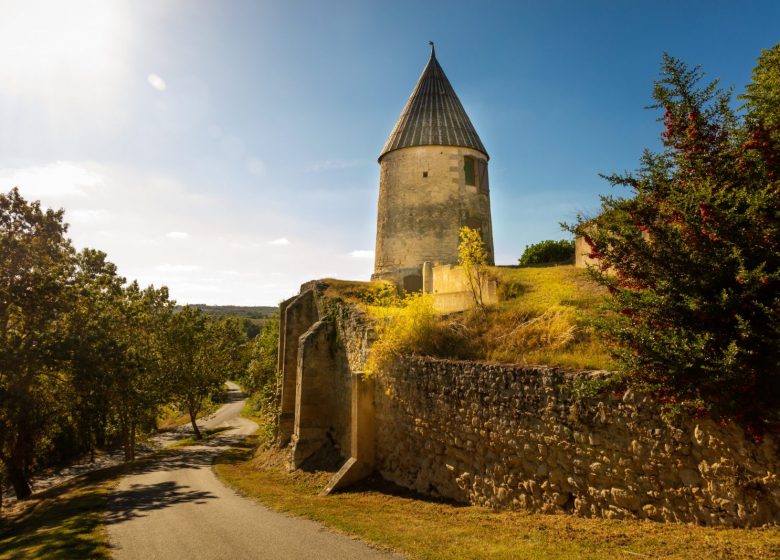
x=178, y=509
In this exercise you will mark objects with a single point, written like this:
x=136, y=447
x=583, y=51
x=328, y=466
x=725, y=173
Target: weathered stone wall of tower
x=423, y=203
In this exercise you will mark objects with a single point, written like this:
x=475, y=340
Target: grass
x=545, y=315
x=426, y=529
x=171, y=417
x=63, y=522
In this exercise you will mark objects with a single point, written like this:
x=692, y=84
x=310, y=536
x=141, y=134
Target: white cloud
x=362, y=254
x=330, y=164
x=59, y=180
x=156, y=82
x=140, y=218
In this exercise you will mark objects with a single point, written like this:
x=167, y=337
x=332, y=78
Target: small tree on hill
x=472, y=256
x=548, y=252
x=692, y=260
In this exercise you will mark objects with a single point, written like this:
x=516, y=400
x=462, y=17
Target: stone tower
x=433, y=180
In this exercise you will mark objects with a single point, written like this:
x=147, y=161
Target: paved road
x=177, y=508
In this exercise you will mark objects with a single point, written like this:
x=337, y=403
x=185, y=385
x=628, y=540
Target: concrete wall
x=521, y=438
x=423, y=203
x=451, y=290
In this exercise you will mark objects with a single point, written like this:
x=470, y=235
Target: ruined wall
x=451, y=290
x=423, y=203
x=521, y=437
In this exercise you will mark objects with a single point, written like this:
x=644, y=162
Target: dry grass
x=426, y=529
x=545, y=316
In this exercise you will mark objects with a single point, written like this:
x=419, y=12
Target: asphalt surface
x=178, y=509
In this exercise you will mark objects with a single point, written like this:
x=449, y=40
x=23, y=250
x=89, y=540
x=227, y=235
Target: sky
x=228, y=149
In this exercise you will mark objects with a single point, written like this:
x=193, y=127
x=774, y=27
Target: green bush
x=692, y=260
x=548, y=252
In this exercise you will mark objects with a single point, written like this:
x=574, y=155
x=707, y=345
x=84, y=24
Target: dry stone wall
x=510, y=436
x=525, y=438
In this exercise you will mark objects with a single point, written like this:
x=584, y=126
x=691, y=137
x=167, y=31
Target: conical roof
x=433, y=115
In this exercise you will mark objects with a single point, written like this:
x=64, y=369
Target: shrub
x=412, y=327
x=692, y=260
x=548, y=252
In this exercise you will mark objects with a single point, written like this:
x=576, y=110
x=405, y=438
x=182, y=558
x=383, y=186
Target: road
x=178, y=509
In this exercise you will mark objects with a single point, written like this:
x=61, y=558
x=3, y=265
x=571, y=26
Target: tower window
x=425, y=173
x=469, y=171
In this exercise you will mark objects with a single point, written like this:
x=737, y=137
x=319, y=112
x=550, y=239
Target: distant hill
x=247, y=311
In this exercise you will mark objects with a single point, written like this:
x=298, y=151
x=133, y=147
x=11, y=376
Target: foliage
x=413, y=327
x=692, y=260
x=87, y=360
x=36, y=269
x=548, y=252
x=261, y=376
x=472, y=257
x=199, y=356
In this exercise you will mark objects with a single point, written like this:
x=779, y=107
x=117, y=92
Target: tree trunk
x=193, y=415
x=18, y=480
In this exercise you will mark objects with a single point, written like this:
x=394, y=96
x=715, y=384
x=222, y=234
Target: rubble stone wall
x=528, y=438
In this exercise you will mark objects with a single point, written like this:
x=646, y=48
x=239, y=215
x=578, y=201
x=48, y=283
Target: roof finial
x=433, y=49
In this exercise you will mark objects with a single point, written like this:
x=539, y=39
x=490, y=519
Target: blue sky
x=228, y=149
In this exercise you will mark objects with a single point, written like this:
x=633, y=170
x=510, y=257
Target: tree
x=472, y=256
x=200, y=355
x=95, y=352
x=138, y=385
x=548, y=252
x=36, y=270
x=262, y=373
x=692, y=260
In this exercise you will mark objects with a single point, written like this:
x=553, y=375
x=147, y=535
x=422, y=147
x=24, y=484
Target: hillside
x=245, y=311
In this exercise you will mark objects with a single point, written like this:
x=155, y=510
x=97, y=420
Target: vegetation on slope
x=545, y=316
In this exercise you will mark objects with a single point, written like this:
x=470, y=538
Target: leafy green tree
x=472, y=256
x=95, y=353
x=138, y=386
x=36, y=269
x=548, y=252
x=199, y=356
x=692, y=260
x=261, y=376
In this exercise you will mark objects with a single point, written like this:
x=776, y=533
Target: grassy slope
x=545, y=316
x=64, y=522
x=429, y=530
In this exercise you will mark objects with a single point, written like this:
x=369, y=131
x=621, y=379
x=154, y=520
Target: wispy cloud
x=330, y=164
x=59, y=180
x=362, y=254
x=177, y=235
x=280, y=241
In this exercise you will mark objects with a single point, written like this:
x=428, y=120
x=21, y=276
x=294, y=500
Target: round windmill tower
x=433, y=180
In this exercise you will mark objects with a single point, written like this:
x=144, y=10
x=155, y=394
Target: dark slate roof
x=433, y=115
